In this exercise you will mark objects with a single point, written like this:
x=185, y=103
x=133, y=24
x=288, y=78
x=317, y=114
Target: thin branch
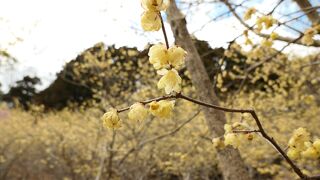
x=149, y=101
x=246, y=131
x=164, y=31
x=275, y=7
x=111, y=154
x=300, y=10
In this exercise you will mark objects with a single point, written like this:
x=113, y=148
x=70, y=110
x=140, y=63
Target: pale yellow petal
x=150, y=21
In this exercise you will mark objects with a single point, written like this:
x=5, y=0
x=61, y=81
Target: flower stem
x=164, y=31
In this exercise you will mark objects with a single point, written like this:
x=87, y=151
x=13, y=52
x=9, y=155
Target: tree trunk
x=312, y=14
x=230, y=163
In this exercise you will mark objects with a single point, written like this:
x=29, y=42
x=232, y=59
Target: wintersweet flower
x=111, y=119
x=150, y=21
x=316, y=144
x=274, y=35
x=311, y=153
x=218, y=143
x=158, y=56
x=307, y=38
x=138, y=112
x=162, y=109
x=155, y=5
x=293, y=153
x=267, y=21
x=266, y=43
x=300, y=136
x=232, y=139
x=161, y=57
x=249, y=13
x=177, y=56
x=170, y=81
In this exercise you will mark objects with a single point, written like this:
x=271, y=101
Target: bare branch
x=246, y=131
x=164, y=31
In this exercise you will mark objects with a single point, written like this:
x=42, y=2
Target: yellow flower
x=155, y=5
x=138, y=112
x=249, y=13
x=307, y=39
x=316, y=145
x=232, y=139
x=248, y=41
x=111, y=119
x=217, y=143
x=150, y=21
x=300, y=136
x=310, y=153
x=177, y=56
x=266, y=43
x=274, y=35
x=267, y=21
x=158, y=56
x=161, y=57
x=170, y=81
x=227, y=128
x=250, y=136
x=162, y=109
x=293, y=153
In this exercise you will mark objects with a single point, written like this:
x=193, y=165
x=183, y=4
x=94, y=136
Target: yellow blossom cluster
x=300, y=145
x=151, y=18
x=248, y=14
x=161, y=57
x=167, y=61
x=268, y=42
x=138, y=113
x=247, y=39
x=235, y=135
x=265, y=22
x=307, y=38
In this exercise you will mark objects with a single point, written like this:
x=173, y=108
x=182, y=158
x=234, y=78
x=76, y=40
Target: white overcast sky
x=54, y=31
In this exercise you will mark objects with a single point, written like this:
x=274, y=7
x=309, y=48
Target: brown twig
x=110, y=160
x=164, y=31
x=149, y=101
x=246, y=131
x=276, y=6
